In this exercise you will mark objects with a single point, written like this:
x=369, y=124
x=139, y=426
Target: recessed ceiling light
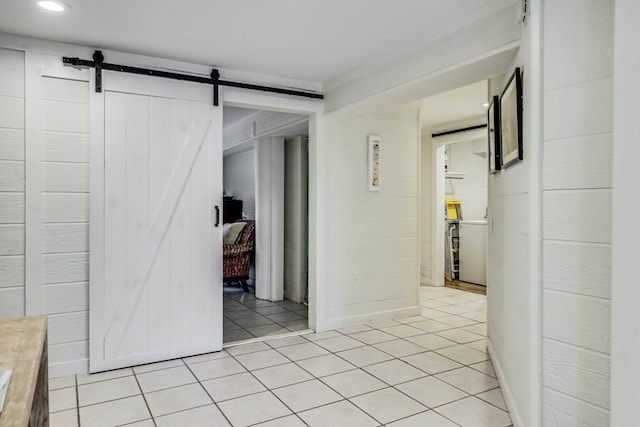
x=485, y=105
x=53, y=5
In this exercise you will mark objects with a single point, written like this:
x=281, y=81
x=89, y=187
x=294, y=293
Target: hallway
x=426, y=370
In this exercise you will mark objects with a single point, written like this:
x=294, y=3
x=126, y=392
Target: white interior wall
x=372, y=237
x=65, y=218
x=240, y=179
x=12, y=184
x=49, y=157
x=443, y=65
x=514, y=240
x=578, y=75
x=509, y=281
x=472, y=189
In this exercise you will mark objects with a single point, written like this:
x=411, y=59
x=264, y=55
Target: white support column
x=317, y=223
x=438, y=224
x=270, y=218
x=33, y=183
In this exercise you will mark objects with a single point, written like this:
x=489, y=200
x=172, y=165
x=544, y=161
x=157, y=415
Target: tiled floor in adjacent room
x=431, y=370
x=247, y=317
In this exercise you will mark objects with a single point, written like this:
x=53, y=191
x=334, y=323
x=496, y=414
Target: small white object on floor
x=5, y=375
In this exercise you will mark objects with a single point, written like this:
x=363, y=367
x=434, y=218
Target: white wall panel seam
x=33, y=188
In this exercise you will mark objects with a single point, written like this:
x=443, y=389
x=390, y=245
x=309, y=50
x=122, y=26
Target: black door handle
x=217, y=208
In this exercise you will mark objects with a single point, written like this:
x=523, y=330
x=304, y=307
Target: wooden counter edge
x=23, y=349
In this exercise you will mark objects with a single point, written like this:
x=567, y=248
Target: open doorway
x=454, y=194
x=265, y=212
x=465, y=223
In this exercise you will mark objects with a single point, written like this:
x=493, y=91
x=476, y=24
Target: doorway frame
x=312, y=108
x=438, y=196
x=315, y=111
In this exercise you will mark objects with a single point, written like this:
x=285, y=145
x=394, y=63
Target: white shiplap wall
x=12, y=184
x=513, y=277
x=372, y=237
x=578, y=58
x=65, y=218
x=51, y=275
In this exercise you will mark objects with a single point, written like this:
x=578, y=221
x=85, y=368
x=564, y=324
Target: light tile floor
x=246, y=317
x=430, y=370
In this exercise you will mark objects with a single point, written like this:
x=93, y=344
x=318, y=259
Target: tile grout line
x=269, y=390
x=318, y=378
x=360, y=368
x=207, y=392
x=428, y=410
x=426, y=351
x=362, y=394
x=153, y=420
x=334, y=353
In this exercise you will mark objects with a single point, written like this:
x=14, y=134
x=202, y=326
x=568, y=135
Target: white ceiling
x=311, y=40
x=455, y=105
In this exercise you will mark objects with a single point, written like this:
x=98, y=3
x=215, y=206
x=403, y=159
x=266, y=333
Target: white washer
x=473, y=251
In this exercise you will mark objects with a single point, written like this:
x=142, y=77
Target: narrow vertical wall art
x=375, y=163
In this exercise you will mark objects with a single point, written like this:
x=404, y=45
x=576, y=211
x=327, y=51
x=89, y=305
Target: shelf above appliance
x=454, y=175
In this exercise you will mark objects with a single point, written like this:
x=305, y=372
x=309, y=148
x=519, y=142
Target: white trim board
x=63, y=369
x=426, y=281
x=625, y=293
x=267, y=338
x=514, y=413
x=317, y=178
x=380, y=316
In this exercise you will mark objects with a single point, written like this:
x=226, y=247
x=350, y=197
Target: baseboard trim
x=516, y=419
x=426, y=281
x=69, y=368
x=381, y=316
x=267, y=338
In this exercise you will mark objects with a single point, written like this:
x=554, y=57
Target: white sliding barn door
x=157, y=294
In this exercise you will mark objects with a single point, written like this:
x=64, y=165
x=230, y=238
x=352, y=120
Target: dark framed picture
x=493, y=136
x=511, y=121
